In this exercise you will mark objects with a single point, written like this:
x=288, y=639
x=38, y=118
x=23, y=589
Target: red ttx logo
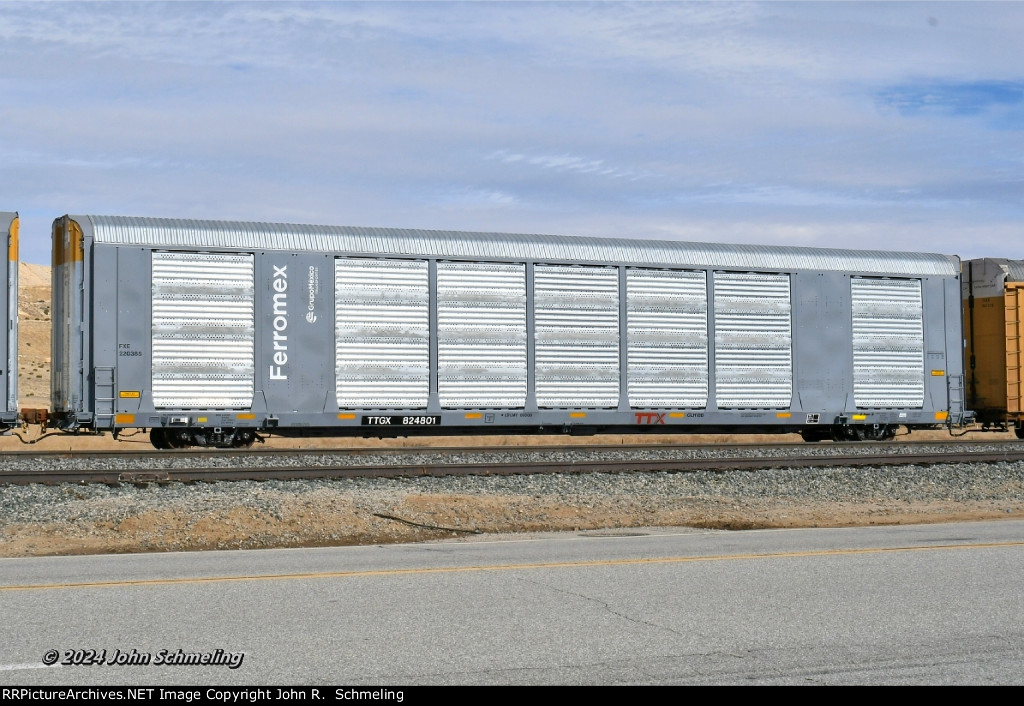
x=650, y=418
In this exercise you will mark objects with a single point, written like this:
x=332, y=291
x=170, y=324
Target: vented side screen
x=203, y=330
x=753, y=341
x=481, y=334
x=382, y=344
x=576, y=313
x=888, y=342
x=667, y=333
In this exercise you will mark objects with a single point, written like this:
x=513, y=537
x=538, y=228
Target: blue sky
x=868, y=125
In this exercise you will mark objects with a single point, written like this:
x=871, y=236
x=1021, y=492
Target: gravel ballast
x=66, y=519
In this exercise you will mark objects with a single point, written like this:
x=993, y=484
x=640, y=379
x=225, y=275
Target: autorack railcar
x=993, y=295
x=9, y=337
x=210, y=333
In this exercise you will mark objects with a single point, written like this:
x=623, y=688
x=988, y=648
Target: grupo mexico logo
x=314, y=289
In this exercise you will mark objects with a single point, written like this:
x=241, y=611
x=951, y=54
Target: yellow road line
x=508, y=567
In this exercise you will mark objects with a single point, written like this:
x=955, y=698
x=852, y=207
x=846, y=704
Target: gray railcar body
x=208, y=332
x=9, y=303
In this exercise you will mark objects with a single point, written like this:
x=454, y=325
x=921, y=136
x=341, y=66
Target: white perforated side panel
x=576, y=313
x=667, y=332
x=888, y=342
x=753, y=341
x=203, y=330
x=481, y=334
x=382, y=337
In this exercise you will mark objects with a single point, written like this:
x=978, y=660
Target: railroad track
x=266, y=464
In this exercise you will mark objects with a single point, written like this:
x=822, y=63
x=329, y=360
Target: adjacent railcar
x=993, y=295
x=209, y=333
x=9, y=337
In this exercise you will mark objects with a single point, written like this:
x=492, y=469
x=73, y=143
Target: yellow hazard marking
x=12, y=245
x=510, y=567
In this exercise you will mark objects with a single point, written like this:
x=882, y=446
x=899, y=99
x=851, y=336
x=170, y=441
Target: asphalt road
x=927, y=604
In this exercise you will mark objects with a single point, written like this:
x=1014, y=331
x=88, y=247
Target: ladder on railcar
x=955, y=398
x=1011, y=303
x=104, y=380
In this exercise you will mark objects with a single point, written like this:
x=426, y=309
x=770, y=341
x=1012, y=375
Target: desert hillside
x=33, y=335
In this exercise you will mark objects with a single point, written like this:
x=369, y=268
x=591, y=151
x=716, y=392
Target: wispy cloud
x=469, y=197
x=568, y=163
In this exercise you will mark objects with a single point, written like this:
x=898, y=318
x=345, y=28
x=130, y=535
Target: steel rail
x=405, y=470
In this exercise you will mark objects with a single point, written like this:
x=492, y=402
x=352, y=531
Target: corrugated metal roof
x=1005, y=270
x=165, y=232
x=1015, y=270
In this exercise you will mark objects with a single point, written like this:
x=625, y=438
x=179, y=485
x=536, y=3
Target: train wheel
x=856, y=432
x=880, y=432
x=244, y=439
x=158, y=437
x=814, y=435
x=1018, y=431
x=863, y=432
x=176, y=439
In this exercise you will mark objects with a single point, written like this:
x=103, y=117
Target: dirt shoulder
x=336, y=519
